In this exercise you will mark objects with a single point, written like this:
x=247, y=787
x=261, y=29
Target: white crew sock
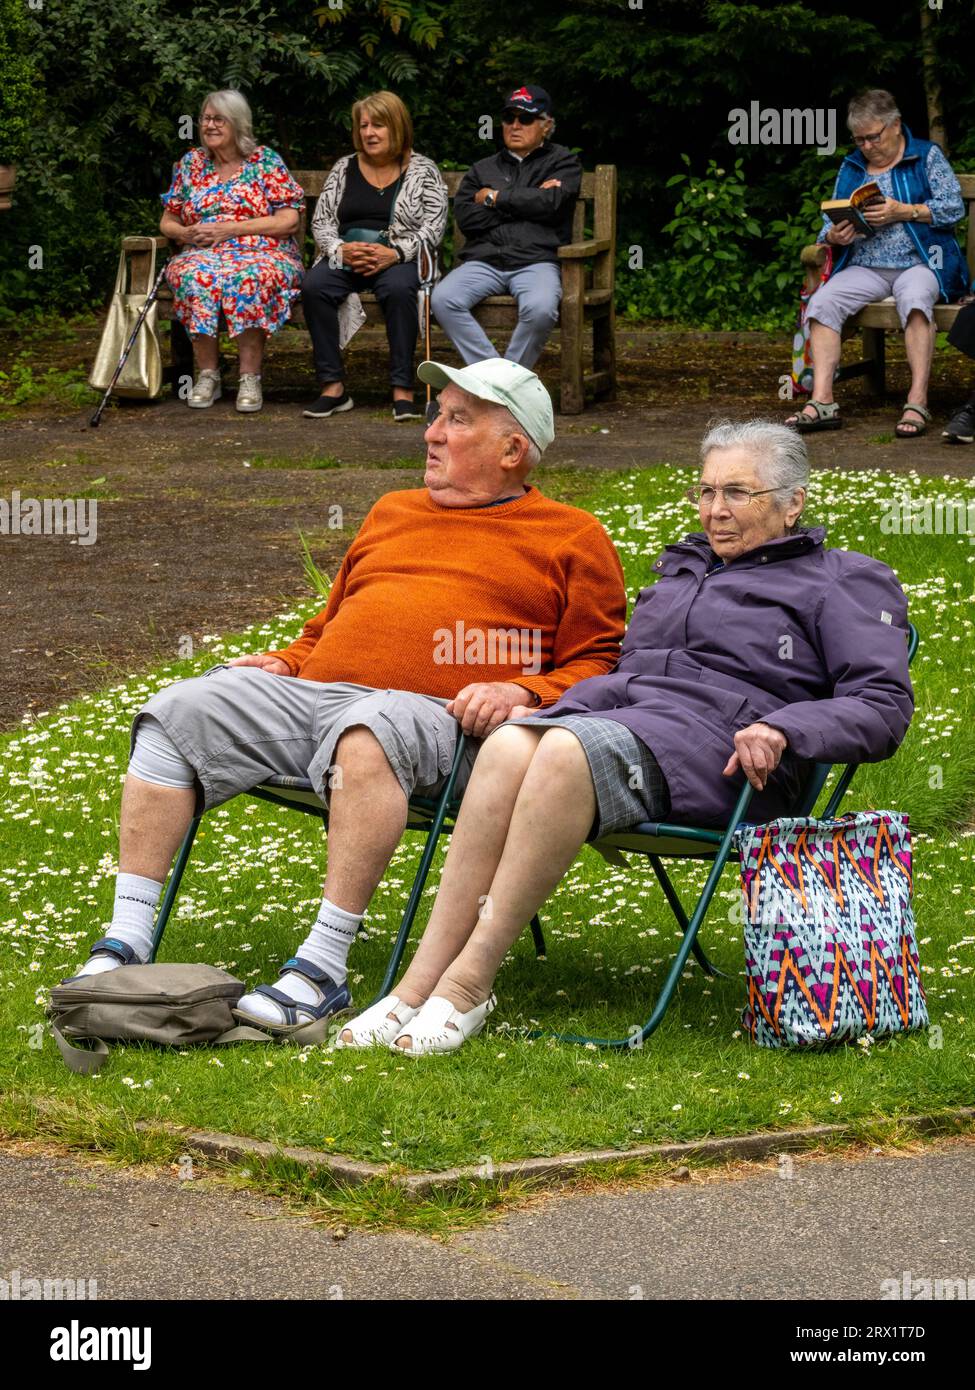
x=327, y=946
x=328, y=943
x=136, y=900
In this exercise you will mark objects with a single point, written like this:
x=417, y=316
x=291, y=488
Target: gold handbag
x=141, y=377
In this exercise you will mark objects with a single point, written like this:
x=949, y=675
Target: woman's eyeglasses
x=522, y=117
x=861, y=140
x=703, y=496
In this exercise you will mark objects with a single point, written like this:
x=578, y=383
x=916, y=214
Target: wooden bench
x=880, y=318
x=588, y=287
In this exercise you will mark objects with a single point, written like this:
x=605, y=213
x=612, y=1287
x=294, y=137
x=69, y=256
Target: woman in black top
x=377, y=207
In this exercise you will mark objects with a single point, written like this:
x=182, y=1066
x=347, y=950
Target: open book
x=851, y=209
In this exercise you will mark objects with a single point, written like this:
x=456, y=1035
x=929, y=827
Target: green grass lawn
x=254, y=881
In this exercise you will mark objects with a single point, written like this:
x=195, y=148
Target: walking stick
x=426, y=269
x=150, y=298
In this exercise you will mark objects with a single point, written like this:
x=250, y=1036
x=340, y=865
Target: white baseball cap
x=504, y=383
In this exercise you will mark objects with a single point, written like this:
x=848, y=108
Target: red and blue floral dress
x=252, y=279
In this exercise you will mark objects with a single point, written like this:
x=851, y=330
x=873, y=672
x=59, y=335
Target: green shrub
x=20, y=88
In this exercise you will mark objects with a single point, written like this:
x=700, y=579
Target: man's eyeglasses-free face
x=522, y=117
x=736, y=497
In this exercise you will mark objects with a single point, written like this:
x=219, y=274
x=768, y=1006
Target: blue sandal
x=108, y=946
x=305, y=1023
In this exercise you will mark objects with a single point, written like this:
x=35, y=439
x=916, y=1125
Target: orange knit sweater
x=433, y=598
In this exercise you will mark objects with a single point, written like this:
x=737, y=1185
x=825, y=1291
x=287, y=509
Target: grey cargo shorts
x=238, y=725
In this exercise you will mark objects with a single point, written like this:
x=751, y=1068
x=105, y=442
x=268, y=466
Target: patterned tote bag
x=830, y=949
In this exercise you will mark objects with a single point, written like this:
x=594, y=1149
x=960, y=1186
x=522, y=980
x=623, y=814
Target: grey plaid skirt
x=630, y=786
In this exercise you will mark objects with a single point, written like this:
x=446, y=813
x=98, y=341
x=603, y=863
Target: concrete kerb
x=559, y=1168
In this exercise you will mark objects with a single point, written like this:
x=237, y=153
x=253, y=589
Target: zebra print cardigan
x=420, y=211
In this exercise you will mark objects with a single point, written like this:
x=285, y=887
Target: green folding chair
x=659, y=840
x=432, y=817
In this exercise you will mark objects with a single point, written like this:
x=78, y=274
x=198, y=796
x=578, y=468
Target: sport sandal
x=304, y=1023
x=373, y=1027
x=438, y=1027
x=827, y=417
x=912, y=429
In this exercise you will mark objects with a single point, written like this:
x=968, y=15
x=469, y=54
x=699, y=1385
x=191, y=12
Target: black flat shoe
x=406, y=410
x=960, y=429
x=328, y=405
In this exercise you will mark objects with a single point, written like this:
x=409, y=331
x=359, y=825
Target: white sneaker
x=249, y=396
x=206, y=390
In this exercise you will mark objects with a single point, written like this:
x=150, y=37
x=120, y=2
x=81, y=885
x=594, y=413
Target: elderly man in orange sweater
x=458, y=605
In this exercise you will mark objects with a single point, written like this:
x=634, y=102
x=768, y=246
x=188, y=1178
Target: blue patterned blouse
x=893, y=247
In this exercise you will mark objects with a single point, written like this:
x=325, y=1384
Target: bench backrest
x=595, y=206
x=967, y=182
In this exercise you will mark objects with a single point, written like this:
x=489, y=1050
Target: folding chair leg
x=636, y=1039
x=538, y=937
x=677, y=907
x=172, y=887
x=423, y=870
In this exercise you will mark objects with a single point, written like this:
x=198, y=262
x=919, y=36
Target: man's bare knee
x=359, y=760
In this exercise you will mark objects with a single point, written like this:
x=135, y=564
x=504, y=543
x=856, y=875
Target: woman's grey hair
x=233, y=104
x=870, y=106
x=507, y=424
x=779, y=452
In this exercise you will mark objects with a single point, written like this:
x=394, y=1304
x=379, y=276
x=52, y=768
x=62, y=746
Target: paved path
x=835, y=1229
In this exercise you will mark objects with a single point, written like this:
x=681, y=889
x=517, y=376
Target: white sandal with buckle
x=438, y=1027
x=373, y=1027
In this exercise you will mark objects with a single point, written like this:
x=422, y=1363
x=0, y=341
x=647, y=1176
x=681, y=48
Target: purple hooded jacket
x=809, y=640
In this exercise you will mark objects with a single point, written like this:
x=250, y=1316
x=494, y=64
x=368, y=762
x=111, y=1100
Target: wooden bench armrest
x=579, y=250
x=141, y=243
x=812, y=259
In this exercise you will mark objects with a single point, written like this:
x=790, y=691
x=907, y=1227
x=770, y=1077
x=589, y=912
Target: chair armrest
x=579, y=250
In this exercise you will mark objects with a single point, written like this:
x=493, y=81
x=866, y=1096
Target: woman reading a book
x=890, y=222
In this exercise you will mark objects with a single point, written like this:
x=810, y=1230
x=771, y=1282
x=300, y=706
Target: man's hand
x=758, y=752
x=482, y=707
x=551, y=183
x=482, y=193
x=274, y=664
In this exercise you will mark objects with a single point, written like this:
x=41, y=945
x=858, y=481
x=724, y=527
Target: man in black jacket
x=960, y=429
x=515, y=210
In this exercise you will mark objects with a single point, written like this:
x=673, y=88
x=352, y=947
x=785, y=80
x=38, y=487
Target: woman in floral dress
x=234, y=208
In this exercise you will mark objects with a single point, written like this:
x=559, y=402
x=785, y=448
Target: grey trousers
x=850, y=289
x=537, y=289
x=238, y=725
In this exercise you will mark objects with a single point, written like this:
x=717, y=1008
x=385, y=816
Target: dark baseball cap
x=535, y=101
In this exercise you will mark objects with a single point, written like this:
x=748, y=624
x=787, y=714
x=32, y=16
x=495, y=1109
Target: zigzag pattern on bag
x=829, y=932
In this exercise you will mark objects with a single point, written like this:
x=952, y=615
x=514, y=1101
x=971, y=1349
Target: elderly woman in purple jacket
x=757, y=651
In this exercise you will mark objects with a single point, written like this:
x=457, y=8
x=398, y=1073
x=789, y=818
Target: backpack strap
x=86, y=1061
x=83, y=1060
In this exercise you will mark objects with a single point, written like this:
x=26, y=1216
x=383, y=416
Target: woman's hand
x=883, y=214
x=210, y=233
x=758, y=752
x=841, y=234
x=376, y=257
x=352, y=254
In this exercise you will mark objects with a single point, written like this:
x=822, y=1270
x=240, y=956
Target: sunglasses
x=522, y=117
